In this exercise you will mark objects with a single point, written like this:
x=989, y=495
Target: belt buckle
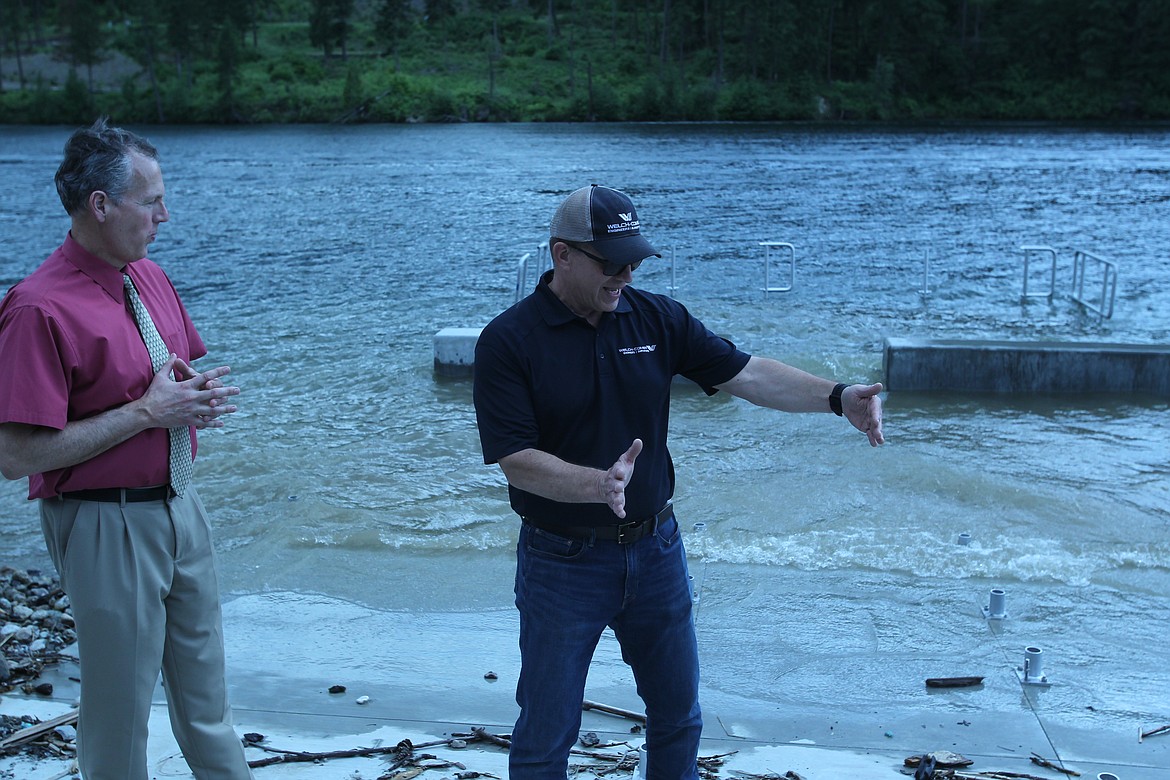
x=623, y=528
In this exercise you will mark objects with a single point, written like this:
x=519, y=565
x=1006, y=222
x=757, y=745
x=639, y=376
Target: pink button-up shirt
x=69, y=349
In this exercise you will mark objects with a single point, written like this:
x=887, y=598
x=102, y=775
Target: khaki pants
x=142, y=584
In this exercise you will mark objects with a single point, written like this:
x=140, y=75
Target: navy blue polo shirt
x=548, y=380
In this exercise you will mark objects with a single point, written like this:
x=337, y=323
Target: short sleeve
x=34, y=355
x=502, y=394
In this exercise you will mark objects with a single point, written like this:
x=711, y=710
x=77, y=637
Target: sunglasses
x=608, y=268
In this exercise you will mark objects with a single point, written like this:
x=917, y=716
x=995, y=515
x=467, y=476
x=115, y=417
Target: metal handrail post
x=1028, y=249
x=673, y=276
x=768, y=247
x=543, y=263
x=1104, y=309
x=521, y=278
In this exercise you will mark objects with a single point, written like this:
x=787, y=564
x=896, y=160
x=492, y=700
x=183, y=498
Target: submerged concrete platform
x=455, y=351
x=951, y=365
x=917, y=365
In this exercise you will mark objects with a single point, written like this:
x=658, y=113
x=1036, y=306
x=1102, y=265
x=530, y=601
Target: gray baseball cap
x=605, y=218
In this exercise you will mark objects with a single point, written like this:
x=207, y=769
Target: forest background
x=238, y=61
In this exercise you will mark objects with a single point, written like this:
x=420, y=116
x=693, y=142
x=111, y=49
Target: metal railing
x=1104, y=307
x=543, y=263
x=673, y=288
x=775, y=246
x=925, y=288
x=1029, y=250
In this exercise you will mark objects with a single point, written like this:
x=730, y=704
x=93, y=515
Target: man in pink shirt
x=86, y=416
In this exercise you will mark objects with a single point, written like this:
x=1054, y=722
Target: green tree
x=226, y=71
x=84, y=42
x=329, y=25
x=439, y=10
x=76, y=99
x=13, y=22
x=179, y=17
x=396, y=19
x=353, y=94
x=143, y=34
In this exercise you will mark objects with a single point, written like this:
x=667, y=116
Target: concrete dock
x=924, y=365
x=949, y=365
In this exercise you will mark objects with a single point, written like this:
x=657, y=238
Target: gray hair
x=98, y=158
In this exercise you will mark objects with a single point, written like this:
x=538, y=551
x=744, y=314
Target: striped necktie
x=180, y=437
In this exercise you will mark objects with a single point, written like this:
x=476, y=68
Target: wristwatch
x=835, y=398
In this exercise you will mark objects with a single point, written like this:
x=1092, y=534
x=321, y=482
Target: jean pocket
x=547, y=544
x=667, y=532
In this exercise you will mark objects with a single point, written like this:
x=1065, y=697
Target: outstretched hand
x=192, y=398
x=862, y=407
x=614, y=481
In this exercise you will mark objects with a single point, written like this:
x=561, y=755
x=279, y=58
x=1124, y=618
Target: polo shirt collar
x=106, y=276
x=555, y=312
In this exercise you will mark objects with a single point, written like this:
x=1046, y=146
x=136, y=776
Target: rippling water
x=320, y=261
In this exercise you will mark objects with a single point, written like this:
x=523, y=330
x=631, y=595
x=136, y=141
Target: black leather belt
x=626, y=533
x=120, y=495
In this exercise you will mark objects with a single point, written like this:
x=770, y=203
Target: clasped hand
x=193, y=397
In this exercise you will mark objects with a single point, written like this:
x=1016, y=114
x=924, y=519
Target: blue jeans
x=568, y=590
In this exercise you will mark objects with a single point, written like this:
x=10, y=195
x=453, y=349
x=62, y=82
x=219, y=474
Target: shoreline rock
x=35, y=626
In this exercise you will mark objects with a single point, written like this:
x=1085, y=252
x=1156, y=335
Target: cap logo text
x=619, y=227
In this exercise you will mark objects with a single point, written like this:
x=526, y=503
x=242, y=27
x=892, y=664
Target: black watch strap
x=835, y=398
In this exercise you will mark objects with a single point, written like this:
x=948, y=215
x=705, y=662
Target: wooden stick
x=32, y=732
x=592, y=705
x=482, y=733
x=1153, y=732
x=952, y=682
x=1040, y=761
x=293, y=756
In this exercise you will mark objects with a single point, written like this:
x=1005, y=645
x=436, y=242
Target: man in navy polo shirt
x=572, y=388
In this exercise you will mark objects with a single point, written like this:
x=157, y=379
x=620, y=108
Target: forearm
x=550, y=477
x=776, y=385
x=35, y=449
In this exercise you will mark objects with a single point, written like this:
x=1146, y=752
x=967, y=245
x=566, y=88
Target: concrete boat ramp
x=832, y=712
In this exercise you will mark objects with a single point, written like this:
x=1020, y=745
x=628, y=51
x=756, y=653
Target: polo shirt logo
x=638, y=350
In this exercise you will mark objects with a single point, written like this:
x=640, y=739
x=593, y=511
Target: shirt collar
x=106, y=276
x=554, y=310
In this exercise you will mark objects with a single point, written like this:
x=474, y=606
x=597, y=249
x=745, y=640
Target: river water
x=319, y=262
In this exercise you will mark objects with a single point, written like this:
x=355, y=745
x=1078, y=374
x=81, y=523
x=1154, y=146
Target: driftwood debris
x=708, y=765
x=953, y=682
x=941, y=759
x=1038, y=760
x=34, y=732
x=404, y=753
x=1154, y=732
x=945, y=765
x=592, y=705
x=989, y=775
x=406, y=759
x=481, y=733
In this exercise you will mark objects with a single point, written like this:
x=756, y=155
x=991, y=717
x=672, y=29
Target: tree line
x=588, y=60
